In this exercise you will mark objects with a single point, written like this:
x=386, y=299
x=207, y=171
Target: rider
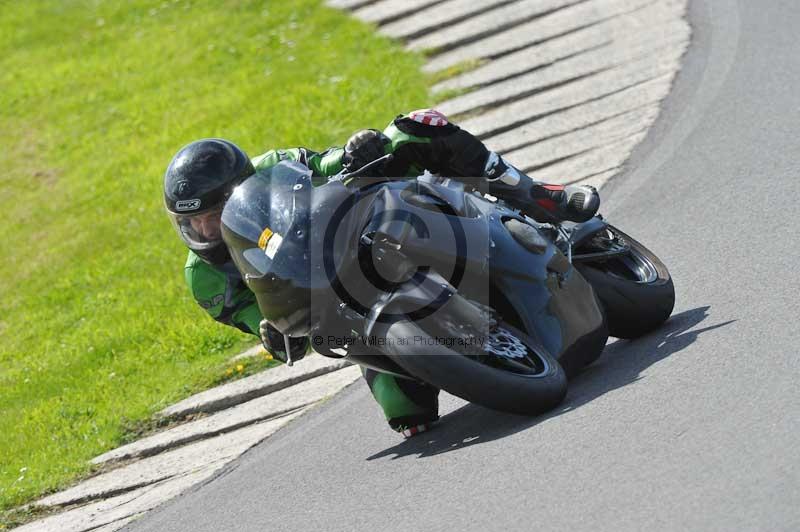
x=202, y=175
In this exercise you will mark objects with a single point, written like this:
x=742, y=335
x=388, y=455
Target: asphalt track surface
x=694, y=427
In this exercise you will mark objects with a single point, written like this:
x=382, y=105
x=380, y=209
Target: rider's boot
x=410, y=407
x=543, y=202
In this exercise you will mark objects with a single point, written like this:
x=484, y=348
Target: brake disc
x=503, y=343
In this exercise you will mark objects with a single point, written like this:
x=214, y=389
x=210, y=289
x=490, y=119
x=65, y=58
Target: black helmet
x=198, y=182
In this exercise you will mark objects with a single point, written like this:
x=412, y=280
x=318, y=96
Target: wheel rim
x=633, y=266
x=505, y=351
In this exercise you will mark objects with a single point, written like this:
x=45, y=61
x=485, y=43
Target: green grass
x=98, y=330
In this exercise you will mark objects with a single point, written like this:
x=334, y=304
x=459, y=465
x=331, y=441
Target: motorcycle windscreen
x=265, y=226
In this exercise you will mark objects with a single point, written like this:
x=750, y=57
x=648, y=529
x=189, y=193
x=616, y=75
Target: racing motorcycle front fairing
x=331, y=261
x=532, y=286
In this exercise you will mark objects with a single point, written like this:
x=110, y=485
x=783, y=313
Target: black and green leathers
x=422, y=140
x=221, y=291
x=322, y=165
x=425, y=140
x=406, y=404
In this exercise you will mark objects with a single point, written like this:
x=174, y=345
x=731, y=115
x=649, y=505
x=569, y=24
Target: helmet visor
x=199, y=231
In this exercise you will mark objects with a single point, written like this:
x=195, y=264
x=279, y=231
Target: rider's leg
x=544, y=202
x=409, y=406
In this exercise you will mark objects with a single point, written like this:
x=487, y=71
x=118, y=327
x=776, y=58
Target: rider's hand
x=272, y=340
x=362, y=148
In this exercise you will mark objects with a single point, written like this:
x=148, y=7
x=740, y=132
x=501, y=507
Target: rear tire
x=636, y=289
x=480, y=379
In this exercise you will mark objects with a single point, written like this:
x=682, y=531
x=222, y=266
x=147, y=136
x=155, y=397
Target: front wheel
x=634, y=286
x=507, y=370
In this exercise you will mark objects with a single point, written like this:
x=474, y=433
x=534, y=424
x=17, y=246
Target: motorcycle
x=429, y=279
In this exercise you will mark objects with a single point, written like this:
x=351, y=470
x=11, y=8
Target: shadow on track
x=622, y=363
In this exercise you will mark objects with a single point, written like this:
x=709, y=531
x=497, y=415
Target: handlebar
x=344, y=176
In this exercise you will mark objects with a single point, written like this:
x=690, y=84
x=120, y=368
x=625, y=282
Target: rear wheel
x=634, y=286
x=507, y=371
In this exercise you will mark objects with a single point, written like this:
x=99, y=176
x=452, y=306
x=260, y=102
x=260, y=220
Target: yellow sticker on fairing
x=265, y=236
x=274, y=244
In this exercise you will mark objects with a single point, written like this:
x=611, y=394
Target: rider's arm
x=229, y=301
x=225, y=299
x=427, y=139
x=326, y=163
x=322, y=164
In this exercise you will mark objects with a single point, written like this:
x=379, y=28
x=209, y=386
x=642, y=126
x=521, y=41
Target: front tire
x=526, y=380
x=635, y=288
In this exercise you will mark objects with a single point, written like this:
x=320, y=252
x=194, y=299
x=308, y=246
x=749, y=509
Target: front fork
x=570, y=238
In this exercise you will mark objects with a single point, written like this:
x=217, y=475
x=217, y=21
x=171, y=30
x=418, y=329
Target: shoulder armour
x=425, y=123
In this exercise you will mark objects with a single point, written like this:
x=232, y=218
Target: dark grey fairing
x=278, y=200
x=535, y=289
x=509, y=270
x=526, y=235
x=352, y=258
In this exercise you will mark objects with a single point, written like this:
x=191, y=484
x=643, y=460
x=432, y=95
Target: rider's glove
x=273, y=341
x=364, y=147
x=543, y=202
